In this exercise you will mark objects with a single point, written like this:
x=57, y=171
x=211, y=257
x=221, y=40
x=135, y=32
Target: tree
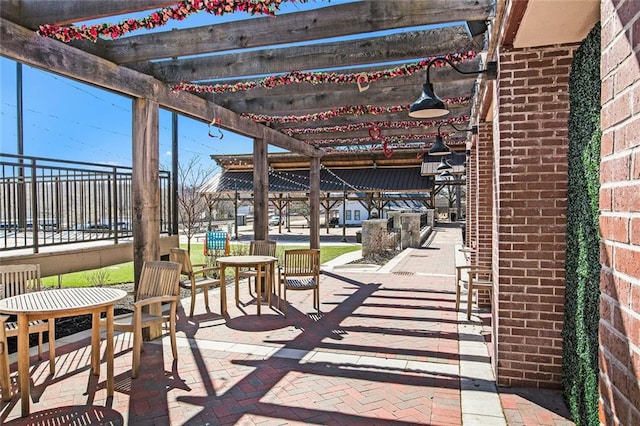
x=191, y=204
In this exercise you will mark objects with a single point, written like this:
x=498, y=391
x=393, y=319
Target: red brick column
x=484, y=237
x=530, y=203
x=485, y=194
x=472, y=196
x=620, y=215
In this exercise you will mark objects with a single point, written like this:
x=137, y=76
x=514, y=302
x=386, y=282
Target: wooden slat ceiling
x=251, y=49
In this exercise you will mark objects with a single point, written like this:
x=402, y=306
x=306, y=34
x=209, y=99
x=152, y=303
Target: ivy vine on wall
x=582, y=293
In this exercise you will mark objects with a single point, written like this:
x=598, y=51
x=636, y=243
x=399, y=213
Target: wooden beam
x=33, y=13
x=145, y=188
x=300, y=103
x=327, y=22
x=314, y=204
x=260, y=190
x=24, y=46
x=441, y=77
x=455, y=110
x=394, y=47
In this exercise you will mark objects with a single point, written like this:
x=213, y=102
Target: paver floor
x=384, y=350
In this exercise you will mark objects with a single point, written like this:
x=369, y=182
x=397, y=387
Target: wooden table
x=258, y=262
x=59, y=303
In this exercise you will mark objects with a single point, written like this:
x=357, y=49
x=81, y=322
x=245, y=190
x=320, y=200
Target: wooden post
x=314, y=203
x=145, y=189
x=260, y=190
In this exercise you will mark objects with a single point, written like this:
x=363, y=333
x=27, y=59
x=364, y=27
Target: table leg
x=95, y=343
x=270, y=283
x=237, y=287
x=110, y=350
x=23, y=363
x=223, y=291
x=259, y=286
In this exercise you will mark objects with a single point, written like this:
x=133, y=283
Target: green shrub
x=582, y=293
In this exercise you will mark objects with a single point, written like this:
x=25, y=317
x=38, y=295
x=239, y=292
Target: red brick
x=627, y=261
x=614, y=228
x=606, y=143
x=626, y=198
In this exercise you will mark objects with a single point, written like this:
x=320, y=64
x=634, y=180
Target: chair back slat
x=19, y=279
x=262, y=248
x=159, y=279
x=181, y=256
x=301, y=262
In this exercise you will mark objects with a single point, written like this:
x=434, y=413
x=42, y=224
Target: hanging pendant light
x=444, y=165
x=439, y=147
x=429, y=105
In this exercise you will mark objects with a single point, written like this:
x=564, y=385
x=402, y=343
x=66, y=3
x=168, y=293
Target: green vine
x=582, y=293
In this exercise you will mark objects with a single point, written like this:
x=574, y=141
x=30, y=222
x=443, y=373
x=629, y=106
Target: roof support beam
x=394, y=47
x=23, y=45
x=327, y=22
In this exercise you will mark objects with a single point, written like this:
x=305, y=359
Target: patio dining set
x=35, y=309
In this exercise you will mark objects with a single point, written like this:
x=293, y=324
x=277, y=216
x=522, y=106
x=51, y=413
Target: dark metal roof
x=360, y=180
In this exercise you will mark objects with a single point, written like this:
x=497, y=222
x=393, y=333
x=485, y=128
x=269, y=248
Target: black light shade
x=428, y=105
x=444, y=165
x=439, y=147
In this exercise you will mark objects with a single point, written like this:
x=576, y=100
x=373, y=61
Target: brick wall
x=472, y=196
x=485, y=202
x=620, y=215
x=530, y=205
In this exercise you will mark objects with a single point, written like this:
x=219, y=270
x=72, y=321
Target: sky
x=70, y=120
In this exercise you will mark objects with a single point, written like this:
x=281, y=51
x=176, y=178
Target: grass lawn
x=123, y=272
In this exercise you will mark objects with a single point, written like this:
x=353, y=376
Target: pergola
x=362, y=108
x=517, y=174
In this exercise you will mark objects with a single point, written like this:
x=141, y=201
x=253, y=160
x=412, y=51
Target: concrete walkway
x=388, y=348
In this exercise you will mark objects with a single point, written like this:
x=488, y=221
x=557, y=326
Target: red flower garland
x=336, y=112
x=161, y=18
x=295, y=77
x=409, y=124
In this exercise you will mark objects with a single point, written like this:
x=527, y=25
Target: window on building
x=348, y=215
x=356, y=215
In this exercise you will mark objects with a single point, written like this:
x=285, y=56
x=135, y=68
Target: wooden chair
x=159, y=283
x=300, y=271
x=5, y=383
x=20, y=279
x=258, y=248
x=473, y=278
x=196, y=279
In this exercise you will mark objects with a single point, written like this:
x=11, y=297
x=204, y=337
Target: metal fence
x=46, y=202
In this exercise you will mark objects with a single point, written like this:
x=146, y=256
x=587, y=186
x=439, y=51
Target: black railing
x=46, y=202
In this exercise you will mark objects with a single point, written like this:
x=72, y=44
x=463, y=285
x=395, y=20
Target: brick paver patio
x=384, y=350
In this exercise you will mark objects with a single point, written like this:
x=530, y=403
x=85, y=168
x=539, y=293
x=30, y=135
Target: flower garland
x=295, y=77
x=336, y=112
x=410, y=124
x=161, y=17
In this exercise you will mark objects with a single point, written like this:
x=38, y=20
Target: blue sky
x=67, y=119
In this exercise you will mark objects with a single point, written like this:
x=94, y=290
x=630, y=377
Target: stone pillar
x=374, y=236
x=410, y=224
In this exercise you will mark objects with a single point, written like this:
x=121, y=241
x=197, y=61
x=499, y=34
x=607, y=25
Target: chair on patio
x=258, y=248
x=473, y=278
x=300, y=271
x=196, y=279
x=20, y=279
x=5, y=383
x=159, y=283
